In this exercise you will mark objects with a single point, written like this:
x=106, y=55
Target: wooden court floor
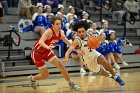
x=89, y=83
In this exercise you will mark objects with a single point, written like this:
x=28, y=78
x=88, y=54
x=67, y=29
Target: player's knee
x=60, y=65
x=102, y=60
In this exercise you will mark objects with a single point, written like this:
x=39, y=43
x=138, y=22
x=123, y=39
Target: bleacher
x=20, y=65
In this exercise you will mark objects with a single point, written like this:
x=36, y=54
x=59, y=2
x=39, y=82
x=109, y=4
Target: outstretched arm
x=74, y=44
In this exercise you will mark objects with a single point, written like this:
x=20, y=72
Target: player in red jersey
x=42, y=52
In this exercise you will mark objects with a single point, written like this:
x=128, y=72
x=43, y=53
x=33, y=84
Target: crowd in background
x=35, y=16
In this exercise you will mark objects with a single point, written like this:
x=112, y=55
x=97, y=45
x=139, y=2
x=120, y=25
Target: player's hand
x=50, y=47
x=102, y=39
x=65, y=60
x=94, y=35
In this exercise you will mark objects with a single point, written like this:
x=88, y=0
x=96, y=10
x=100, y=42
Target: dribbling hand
x=51, y=46
x=65, y=60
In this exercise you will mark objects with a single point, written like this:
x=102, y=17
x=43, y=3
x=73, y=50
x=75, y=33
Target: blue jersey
x=39, y=20
x=113, y=47
x=103, y=48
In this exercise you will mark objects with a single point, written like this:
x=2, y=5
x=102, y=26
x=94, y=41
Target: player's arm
x=46, y=35
x=63, y=37
x=74, y=44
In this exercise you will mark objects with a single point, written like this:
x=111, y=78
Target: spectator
x=78, y=3
x=61, y=9
x=34, y=2
x=133, y=8
x=118, y=11
x=5, y=6
x=93, y=30
x=61, y=14
x=24, y=9
x=105, y=29
x=52, y=3
x=85, y=16
x=98, y=3
x=70, y=21
x=48, y=14
x=39, y=20
x=48, y=11
x=1, y=13
x=12, y=3
x=72, y=12
x=115, y=49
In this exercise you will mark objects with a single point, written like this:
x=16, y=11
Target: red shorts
x=39, y=58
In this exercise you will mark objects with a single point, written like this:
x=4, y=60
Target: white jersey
x=91, y=55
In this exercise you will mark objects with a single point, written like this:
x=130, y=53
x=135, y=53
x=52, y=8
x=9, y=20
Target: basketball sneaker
x=32, y=83
x=117, y=66
x=74, y=86
x=124, y=63
x=82, y=70
x=119, y=80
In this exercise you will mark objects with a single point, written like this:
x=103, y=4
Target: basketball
x=93, y=42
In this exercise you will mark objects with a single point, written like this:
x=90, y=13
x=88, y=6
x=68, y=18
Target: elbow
x=69, y=45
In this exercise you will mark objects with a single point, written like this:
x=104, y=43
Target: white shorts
x=91, y=61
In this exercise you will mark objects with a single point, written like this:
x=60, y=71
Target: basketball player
x=92, y=59
x=42, y=52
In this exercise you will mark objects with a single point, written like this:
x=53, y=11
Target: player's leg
x=103, y=72
x=102, y=61
x=42, y=75
x=40, y=64
x=56, y=62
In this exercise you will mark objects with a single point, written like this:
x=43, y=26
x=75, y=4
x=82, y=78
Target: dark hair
x=85, y=13
x=54, y=18
x=39, y=6
x=59, y=9
x=80, y=24
x=108, y=37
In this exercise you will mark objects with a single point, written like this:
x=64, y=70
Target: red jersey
x=52, y=40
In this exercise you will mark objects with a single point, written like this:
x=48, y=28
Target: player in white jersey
x=92, y=59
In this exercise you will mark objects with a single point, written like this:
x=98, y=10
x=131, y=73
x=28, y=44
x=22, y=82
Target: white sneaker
x=82, y=70
x=117, y=66
x=124, y=63
x=74, y=86
x=33, y=83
